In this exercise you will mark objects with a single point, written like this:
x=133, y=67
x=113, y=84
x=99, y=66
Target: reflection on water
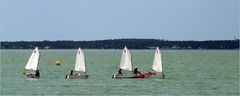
x=32, y=79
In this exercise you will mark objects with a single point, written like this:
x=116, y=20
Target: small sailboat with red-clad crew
x=126, y=68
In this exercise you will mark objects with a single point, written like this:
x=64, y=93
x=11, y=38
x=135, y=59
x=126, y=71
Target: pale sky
x=115, y=19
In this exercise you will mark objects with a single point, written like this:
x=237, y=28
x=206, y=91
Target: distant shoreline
x=130, y=43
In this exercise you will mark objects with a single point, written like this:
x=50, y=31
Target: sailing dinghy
x=157, y=65
x=31, y=69
x=127, y=66
x=79, y=70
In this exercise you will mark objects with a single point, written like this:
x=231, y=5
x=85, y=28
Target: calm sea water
x=188, y=72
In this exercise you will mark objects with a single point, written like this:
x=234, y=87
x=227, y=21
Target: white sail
x=80, y=61
x=126, y=62
x=157, y=63
x=33, y=61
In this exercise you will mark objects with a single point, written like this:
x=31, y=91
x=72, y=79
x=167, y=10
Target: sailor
x=120, y=72
x=136, y=70
x=37, y=73
x=66, y=76
x=71, y=73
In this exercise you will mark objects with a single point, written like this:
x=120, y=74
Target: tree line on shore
x=120, y=43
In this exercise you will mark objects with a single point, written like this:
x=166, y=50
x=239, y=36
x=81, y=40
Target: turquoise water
x=188, y=72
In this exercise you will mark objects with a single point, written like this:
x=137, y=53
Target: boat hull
x=31, y=73
x=122, y=77
x=76, y=76
x=144, y=75
x=32, y=76
x=115, y=76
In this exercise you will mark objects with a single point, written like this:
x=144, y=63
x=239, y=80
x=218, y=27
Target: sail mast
x=38, y=59
x=131, y=63
x=162, y=68
x=85, y=65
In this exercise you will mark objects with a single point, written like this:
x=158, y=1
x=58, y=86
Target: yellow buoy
x=58, y=62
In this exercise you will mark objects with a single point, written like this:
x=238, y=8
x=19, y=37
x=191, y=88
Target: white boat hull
x=115, y=76
x=30, y=73
x=76, y=76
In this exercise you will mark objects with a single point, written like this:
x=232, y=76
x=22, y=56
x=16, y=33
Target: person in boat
x=66, y=76
x=138, y=73
x=37, y=73
x=71, y=73
x=135, y=71
x=120, y=72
